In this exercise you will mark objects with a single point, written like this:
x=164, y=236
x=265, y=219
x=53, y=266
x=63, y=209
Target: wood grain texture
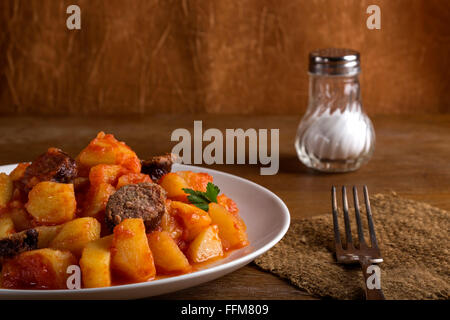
x=220, y=57
x=411, y=158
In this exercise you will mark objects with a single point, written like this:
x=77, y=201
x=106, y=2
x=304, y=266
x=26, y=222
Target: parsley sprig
x=201, y=199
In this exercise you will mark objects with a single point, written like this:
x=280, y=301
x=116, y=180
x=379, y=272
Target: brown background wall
x=221, y=56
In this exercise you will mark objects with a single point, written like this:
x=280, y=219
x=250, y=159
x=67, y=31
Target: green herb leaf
x=202, y=199
x=203, y=206
x=212, y=191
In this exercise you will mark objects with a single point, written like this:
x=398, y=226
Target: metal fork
x=365, y=255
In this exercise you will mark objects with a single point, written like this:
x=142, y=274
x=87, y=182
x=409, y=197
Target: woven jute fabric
x=414, y=242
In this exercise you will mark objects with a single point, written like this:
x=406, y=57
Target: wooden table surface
x=412, y=158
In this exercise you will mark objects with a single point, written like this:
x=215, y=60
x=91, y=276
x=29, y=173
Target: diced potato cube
x=206, y=246
x=6, y=226
x=105, y=173
x=231, y=227
x=38, y=269
x=132, y=178
x=76, y=234
x=173, y=184
x=168, y=257
x=194, y=219
x=130, y=253
x=105, y=149
x=6, y=189
x=21, y=218
x=51, y=203
x=96, y=199
x=228, y=203
x=19, y=171
x=46, y=234
x=170, y=224
x=196, y=180
x=95, y=263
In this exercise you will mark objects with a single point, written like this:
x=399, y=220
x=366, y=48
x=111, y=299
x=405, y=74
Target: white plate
x=267, y=219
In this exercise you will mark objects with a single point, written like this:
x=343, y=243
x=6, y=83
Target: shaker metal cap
x=334, y=61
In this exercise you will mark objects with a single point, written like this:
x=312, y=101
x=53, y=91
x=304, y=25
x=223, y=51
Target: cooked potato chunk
x=194, y=219
x=228, y=203
x=196, y=180
x=21, y=218
x=6, y=226
x=168, y=257
x=170, y=224
x=130, y=253
x=76, y=234
x=6, y=189
x=46, y=234
x=206, y=246
x=105, y=149
x=173, y=184
x=96, y=199
x=51, y=203
x=132, y=178
x=95, y=263
x=105, y=173
x=231, y=227
x=18, y=171
x=37, y=269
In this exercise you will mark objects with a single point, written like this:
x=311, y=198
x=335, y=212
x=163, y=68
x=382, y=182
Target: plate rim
x=240, y=261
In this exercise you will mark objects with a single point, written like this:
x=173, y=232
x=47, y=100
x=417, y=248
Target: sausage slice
x=54, y=165
x=143, y=200
x=18, y=242
x=157, y=166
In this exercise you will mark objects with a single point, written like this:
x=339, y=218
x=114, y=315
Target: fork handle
x=372, y=281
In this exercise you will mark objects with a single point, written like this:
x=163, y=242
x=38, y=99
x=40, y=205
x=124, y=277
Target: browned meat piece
x=143, y=200
x=18, y=242
x=157, y=166
x=54, y=165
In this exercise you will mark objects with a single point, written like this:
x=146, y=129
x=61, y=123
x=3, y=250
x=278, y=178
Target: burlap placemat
x=414, y=241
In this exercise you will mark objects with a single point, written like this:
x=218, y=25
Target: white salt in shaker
x=335, y=135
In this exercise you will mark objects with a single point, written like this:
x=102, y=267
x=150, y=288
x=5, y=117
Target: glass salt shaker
x=335, y=135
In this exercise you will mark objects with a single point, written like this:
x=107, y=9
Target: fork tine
x=373, y=238
x=362, y=241
x=348, y=231
x=337, y=237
